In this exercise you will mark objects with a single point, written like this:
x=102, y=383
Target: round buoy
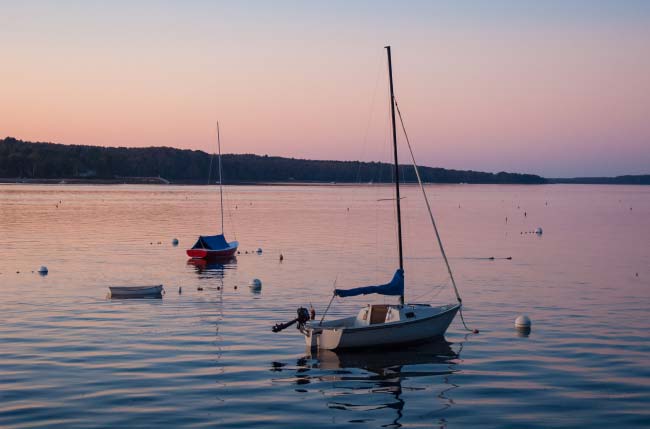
x=43, y=270
x=522, y=322
x=539, y=230
x=175, y=242
x=235, y=286
x=255, y=284
x=259, y=250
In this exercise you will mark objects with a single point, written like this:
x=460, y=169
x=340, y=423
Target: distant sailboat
x=381, y=325
x=214, y=247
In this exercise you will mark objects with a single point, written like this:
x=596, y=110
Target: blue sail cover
x=211, y=242
x=395, y=287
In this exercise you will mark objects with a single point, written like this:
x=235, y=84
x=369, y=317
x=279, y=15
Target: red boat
x=214, y=247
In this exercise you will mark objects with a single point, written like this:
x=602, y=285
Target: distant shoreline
x=52, y=163
x=157, y=182
x=55, y=163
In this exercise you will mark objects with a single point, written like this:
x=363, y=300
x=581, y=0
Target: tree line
x=640, y=179
x=38, y=160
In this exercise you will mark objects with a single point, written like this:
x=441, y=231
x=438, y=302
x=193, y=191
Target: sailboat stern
x=325, y=339
x=326, y=335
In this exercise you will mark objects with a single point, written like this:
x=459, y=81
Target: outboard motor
x=303, y=317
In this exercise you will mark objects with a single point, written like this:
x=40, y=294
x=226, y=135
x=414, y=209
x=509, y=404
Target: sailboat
x=382, y=325
x=214, y=247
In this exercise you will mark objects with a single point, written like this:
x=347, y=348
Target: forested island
x=38, y=161
x=27, y=160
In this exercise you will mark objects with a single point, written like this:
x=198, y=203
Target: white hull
x=415, y=324
x=136, y=291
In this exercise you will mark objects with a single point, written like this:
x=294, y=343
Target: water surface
x=71, y=357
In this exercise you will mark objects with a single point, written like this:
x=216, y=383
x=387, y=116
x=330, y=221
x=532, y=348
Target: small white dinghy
x=154, y=291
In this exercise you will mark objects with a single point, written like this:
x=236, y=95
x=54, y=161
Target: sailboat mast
x=397, y=197
x=220, y=180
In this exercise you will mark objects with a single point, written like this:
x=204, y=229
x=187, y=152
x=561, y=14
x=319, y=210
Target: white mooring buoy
x=539, y=230
x=522, y=322
x=175, y=242
x=43, y=270
x=255, y=284
x=259, y=250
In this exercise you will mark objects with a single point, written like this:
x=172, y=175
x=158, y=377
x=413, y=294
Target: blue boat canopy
x=395, y=287
x=211, y=242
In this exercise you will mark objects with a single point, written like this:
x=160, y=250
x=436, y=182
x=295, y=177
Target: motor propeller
x=303, y=317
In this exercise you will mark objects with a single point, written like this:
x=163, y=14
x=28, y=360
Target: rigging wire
x=376, y=173
x=226, y=197
x=220, y=178
x=370, y=117
x=229, y=211
x=357, y=179
x=433, y=222
x=210, y=168
x=432, y=292
x=330, y=303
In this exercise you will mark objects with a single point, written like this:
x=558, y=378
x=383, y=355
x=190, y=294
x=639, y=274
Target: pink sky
x=559, y=89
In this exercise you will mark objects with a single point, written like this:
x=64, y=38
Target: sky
x=556, y=88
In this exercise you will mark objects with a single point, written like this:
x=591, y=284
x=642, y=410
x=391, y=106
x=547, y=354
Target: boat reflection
x=371, y=384
x=212, y=269
x=385, y=361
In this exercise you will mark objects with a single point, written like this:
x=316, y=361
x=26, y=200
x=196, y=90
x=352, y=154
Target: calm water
x=70, y=357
